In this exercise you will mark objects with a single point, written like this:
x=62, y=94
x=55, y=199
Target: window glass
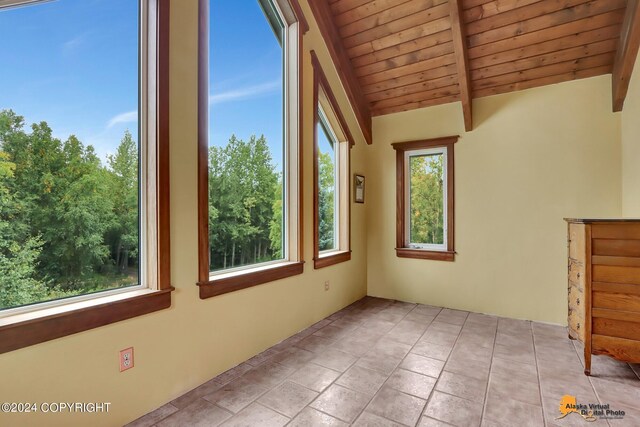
x=247, y=173
x=69, y=149
x=427, y=199
x=328, y=181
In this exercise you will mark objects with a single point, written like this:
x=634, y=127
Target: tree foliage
x=326, y=202
x=61, y=211
x=245, y=204
x=427, y=203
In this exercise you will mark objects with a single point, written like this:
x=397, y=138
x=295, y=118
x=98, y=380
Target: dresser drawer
x=577, y=246
x=576, y=313
x=576, y=273
x=615, y=301
x=616, y=328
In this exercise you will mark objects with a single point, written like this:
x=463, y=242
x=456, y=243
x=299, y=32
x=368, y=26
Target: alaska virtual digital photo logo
x=589, y=412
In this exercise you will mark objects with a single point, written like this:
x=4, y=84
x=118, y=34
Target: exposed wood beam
x=323, y=15
x=462, y=61
x=626, y=54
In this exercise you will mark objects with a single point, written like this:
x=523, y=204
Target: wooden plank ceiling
x=408, y=54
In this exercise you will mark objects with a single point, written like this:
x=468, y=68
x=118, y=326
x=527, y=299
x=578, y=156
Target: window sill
x=331, y=259
x=236, y=281
x=25, y=329
x=426, y=254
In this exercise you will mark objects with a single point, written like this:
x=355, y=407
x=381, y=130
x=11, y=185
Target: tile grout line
x=535, y=355
x=388, y=376
x=593, y=387
x=486, y=392
x=337, y=378
x=433, y=390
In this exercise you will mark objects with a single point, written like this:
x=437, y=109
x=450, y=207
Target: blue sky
x=245, y=67
x=73, y=64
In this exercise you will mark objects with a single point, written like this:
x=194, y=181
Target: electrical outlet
x=126, y=359
x=326, y=285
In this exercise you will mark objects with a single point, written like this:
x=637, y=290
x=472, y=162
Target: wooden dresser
x=604, y=287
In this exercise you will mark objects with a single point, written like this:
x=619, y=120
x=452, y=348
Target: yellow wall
x=180, y=348
x=631, y=147
x=534, y=157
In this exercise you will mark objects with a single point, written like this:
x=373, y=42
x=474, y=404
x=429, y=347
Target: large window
x=80, y=214
x=248, y=144
x=332, y=143
x=425, y=199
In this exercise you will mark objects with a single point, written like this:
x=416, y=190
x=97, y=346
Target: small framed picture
x=358, y=184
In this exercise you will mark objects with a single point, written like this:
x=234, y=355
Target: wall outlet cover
x=126, y=359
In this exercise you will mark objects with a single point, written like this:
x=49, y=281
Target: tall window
x=425, y=199
x=79, y=206
x=331, y=176
x=328, y=185
x=249, y=129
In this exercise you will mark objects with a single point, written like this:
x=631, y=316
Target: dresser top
x=592, y=220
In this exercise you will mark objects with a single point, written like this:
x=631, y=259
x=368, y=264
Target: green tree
x=427, y=203
x=326, y=202
x=123, y=235
x=242, y=190
x=18, y=257
x=275, y=229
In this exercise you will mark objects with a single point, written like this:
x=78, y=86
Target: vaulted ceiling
x=399, y=55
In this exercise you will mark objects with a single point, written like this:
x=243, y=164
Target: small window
x=331, y=176
x=425, y=199
x=249, y=187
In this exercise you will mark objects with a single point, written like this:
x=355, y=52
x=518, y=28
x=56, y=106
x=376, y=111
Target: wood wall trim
x=458, y=31
x=203, y=140
x=323, y=15
x=402, y=251
x=326, y=261
x=424, y=254
x=626, y=54
x=304, y=24
x=420, y=144
x=163, y=142
x=320, y=80
x=23, y=334
x=215, y=287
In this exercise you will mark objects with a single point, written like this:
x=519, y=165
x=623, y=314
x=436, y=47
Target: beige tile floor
x=388, y=363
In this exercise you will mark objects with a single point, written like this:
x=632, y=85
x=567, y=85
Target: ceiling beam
x=462, y=61
x=322, y=13
x=626, y=54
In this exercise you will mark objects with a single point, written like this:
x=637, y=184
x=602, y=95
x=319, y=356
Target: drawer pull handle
x=578, y=326
x=578, y=301
x=578, y=275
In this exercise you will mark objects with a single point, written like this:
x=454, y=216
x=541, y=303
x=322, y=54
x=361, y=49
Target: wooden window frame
x=402, y=249
x=225, y=282
x=46, y=324
x=320, y=81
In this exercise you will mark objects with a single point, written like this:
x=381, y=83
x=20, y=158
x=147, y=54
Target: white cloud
x=74, y=44
x=128, y=117
x=244, y=93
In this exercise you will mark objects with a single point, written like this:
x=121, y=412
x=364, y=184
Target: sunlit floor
x=388, y=363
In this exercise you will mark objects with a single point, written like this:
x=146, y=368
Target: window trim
x=402, y=244
x=327, y=258
x=55, y=321
x=407, y=194
x=221, y=282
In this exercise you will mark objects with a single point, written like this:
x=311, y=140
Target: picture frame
x=358, y=188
